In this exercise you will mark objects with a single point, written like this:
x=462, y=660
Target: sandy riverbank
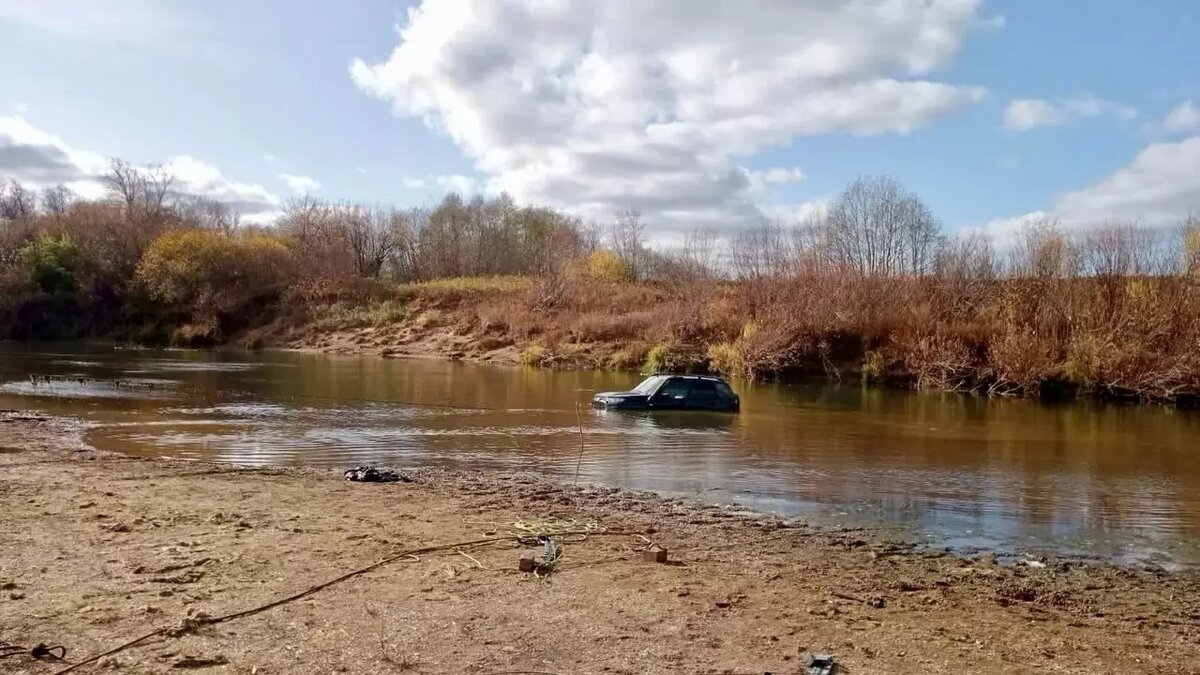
x=98, y=549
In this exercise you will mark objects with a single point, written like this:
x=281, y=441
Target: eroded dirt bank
x=97, y=549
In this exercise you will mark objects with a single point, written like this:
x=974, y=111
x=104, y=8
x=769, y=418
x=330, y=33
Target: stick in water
x=579, y=461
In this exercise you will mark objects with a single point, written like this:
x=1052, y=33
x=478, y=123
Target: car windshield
x=649, y=384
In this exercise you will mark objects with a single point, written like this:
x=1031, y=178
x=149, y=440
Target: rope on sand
x=191, y=624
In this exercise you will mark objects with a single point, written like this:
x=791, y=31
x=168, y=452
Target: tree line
x=874, y=280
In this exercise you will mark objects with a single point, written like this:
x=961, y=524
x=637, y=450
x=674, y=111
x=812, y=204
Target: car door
x=671, y=395
x=703, y=396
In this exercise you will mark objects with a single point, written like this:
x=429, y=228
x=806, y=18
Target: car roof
x=710, y=378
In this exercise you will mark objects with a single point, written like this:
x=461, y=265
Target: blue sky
x=596, y=110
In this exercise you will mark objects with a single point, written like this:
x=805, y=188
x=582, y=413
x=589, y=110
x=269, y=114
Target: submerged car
x=672, y=392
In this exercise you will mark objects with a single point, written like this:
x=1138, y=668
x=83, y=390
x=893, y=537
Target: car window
x=703, y=390
x=724, y=391
x=675, y=388
x=649, y=384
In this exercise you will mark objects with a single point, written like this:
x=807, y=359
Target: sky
x=699, y=114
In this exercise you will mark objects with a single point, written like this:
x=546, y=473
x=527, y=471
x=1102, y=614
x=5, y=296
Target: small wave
x=76, y=390
x=173, y=365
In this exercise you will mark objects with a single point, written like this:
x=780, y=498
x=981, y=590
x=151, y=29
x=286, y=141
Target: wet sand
x=98, y=549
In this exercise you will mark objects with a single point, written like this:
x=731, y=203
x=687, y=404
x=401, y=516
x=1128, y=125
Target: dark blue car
x=672, y=392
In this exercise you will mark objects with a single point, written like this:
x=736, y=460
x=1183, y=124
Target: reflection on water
x=960, y=471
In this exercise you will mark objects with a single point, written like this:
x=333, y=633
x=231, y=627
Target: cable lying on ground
x=191, y=624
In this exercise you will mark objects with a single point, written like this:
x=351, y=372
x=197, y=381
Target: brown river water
x=1018, y=477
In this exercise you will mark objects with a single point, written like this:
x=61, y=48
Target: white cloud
x=1030, y=113
x=792, y=214
x=598, y=107
x=994, y=22
x=268, y=157
x=760, y=180
x=1159, y=188
x=1183, y=119
x=41, y=159
x=301, y=185
x=464, y=185
x=1003, y=231
x=37, y=157
x=360, y=170
x=115, y=20
x=198, y=178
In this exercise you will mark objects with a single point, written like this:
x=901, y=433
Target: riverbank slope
x=100, y=549
x=896, y=333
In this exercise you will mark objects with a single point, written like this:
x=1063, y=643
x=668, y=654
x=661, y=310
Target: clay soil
x=97, y=549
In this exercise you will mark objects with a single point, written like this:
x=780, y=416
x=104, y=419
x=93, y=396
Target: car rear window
x=725, y=392
x=703, y=390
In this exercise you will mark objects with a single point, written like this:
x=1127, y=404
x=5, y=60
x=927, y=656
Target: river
x=1102, y=481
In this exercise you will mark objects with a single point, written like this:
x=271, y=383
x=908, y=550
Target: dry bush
x=1022, y=362
x=343, y=289
x=937, y=361
x=605, y=327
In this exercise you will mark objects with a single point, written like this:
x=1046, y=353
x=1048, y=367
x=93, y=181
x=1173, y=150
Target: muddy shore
x=97, y=549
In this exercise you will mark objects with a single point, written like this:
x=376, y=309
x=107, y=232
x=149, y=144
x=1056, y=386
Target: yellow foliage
x=623, y=360
x=214, y=273
x=604, y=265
x=1139, y=290
x=1191, y=249
x=533, y=355
x=656, y=359
x=873, y=366
x=725, y=358
x=428, y=319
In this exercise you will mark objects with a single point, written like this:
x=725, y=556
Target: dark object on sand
x=369, y=474
x=820, y=664
x=41, y=652
x=552, y=552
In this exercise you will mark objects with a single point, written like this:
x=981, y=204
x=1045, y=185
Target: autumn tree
x=213, y=276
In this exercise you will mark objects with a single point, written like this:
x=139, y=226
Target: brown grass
x=1017, y=337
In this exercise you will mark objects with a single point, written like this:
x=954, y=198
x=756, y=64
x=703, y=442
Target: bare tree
x=143, y=189
x=965, y=271
x=205, y=213
x=699, y=253
x=16, y=201
x=324, y=247
x=374, y=235
x=627, y=243
x=1120, y=249
x=1041, y=250
x=16, y=227
x=124, y=181
x=759, y=253
x=877, y=228
x=156, y=187
x=56, y=201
